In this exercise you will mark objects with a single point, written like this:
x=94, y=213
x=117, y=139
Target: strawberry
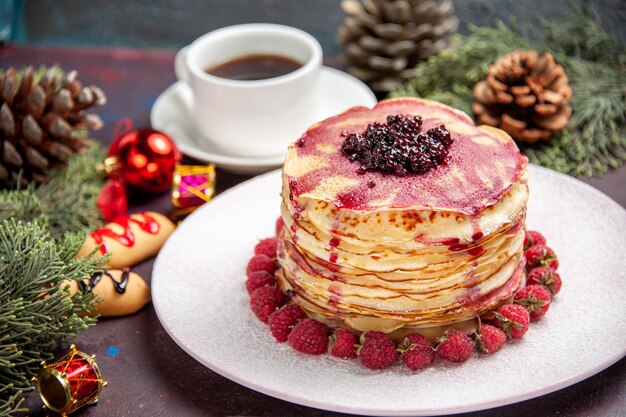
x=309, y=336
x=283, y=320
x=489, y=339
x=343, y=344
x=455, y=346
x=416, y=351
x=267, y=247
x=264, y=301
x=541, y=255
x=536, y=299
x=546, y=277
x=261, y=263
x=533, y=238
x=377, y=350
x=513, y=319
x=259, y=279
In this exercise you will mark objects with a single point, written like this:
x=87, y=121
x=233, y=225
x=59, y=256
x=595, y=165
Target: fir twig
x=595, y=63
x=66, y=203
x=36, y=312
x=41, y=230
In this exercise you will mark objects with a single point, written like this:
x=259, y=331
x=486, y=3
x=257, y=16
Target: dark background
x=175, y=23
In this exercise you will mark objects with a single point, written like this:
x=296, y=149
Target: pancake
x=379, y=251
x=484, y=163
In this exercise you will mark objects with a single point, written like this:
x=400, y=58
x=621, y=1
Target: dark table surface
x=151, y=375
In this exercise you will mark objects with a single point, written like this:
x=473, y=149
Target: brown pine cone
x=385, y=39
x=43, y=121
x=526, y=95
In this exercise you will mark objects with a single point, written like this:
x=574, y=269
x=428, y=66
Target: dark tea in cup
x=254, y=67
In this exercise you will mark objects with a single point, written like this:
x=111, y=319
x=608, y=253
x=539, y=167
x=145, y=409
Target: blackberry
x=398, y=147
x=442, y=135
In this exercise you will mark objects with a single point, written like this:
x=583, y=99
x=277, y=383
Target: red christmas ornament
x=112, y=200
x=70, y=382
x=144, y=159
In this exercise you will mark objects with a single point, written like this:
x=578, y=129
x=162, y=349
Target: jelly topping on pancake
x=397, y=147
x=482, y=164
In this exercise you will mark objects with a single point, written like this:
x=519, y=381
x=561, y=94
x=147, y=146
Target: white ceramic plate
x=199, y=295
x=336, y=92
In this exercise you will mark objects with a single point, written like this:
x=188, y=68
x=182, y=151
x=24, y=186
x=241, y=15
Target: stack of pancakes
x=375, y=251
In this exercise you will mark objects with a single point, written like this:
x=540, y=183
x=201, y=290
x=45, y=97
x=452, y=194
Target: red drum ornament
x=70, y=383
x=144, y=159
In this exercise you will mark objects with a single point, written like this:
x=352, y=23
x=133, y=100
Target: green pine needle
x=36, y=313
x=595, y=62
x=66, y=203
x=41, y=230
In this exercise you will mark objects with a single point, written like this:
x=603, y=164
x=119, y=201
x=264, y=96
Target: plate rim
x=467, y=407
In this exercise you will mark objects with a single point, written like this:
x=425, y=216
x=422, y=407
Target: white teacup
x=251, y=118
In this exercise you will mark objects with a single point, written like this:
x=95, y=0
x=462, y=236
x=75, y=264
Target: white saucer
x=337, y=91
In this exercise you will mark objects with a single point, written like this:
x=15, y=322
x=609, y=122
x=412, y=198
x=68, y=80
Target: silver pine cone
x=385, y=39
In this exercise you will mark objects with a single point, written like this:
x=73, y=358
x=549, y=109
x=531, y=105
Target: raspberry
x=535, y=299
x=489, y=339
x=533, y=238
x=546, y=277
x=377, y=350
x=541, y=255
x=259, y=279
x=260, y=263
x=279, y=225
x=416, y=351
x=455, y=346
x=282, y=321
x=513, y=319
x=267, y=247
x=309, y=336
x=264, y=301
x=343, y=344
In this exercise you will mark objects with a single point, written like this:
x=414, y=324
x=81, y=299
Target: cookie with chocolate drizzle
x=120, y=292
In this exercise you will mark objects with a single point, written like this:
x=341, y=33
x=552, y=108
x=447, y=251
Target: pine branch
x=595, y=63
x=36, y=312
x=450, y=76
x=11, y=400
x=41, y=230
x=581, y=36
x=66, y=203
